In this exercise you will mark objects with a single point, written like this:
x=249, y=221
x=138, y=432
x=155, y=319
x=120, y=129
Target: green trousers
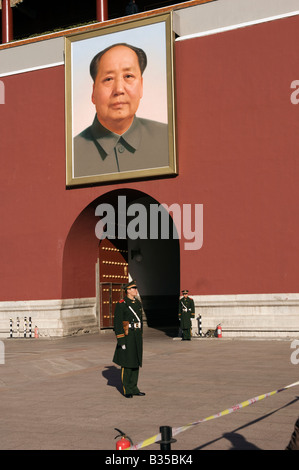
x=186, y=334
x=129, y=379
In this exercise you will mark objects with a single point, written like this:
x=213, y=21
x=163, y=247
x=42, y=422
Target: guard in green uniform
x=128, y=331
x=186, y=312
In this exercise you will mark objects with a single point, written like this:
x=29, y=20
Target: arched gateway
x=121, y=235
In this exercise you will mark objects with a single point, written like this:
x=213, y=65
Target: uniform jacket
x=130, y=357
x=99, y=151
x=186, y=312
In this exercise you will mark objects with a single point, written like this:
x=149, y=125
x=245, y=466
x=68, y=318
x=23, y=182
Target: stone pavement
x=65, y=393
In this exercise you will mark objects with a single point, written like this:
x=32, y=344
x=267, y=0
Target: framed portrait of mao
x=120, y=109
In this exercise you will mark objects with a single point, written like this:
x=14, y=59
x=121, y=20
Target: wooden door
x=113, y=274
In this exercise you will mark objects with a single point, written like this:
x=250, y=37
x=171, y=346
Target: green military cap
x=185, y=291
x=130, y=284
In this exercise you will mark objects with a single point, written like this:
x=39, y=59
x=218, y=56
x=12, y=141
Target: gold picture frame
x=85, y=157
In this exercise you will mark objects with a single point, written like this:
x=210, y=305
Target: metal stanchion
x=199, y=326
x=27, y=331
x=166, y=438
x=25, y=326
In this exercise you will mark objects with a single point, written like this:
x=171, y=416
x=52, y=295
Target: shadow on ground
x=237, y=440
x=112, y=375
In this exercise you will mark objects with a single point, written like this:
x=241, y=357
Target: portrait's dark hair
x=141, y=55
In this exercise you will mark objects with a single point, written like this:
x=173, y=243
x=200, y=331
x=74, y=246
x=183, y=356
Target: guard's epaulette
x=121, y=301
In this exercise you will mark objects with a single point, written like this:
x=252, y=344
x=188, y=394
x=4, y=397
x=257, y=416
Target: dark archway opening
x=153, y=253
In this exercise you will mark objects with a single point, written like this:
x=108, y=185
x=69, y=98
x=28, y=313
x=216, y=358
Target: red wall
x=238, y=156
x=238, y=127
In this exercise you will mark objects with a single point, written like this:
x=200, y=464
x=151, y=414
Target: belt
x=134, y=325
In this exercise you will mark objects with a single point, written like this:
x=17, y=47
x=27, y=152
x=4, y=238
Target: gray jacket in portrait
x=99, y=151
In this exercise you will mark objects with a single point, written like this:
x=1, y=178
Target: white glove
x=123, y=346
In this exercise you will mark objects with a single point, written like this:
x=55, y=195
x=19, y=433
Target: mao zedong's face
x=118, y=88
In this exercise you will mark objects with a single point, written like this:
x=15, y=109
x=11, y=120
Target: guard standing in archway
x=128, y=331
x=186, y=312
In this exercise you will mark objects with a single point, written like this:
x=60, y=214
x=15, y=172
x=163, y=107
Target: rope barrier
x=232, y=409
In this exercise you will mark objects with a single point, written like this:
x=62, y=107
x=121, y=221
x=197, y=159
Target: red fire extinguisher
x=124, y=442
x=219, y=331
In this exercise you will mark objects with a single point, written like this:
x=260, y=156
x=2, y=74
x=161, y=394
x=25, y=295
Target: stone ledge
x=253, y=315
x=53, y=318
